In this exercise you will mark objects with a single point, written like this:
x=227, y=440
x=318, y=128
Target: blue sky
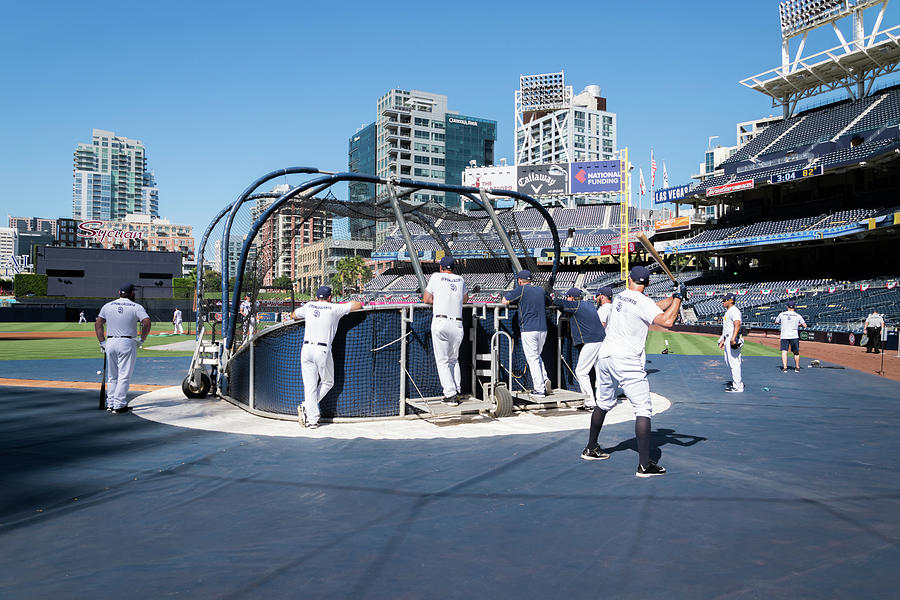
x=223, y=92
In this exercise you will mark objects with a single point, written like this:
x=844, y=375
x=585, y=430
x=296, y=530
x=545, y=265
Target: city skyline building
x=111, y=179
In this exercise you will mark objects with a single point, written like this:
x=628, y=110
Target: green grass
x=689, y=343
x=18, y=327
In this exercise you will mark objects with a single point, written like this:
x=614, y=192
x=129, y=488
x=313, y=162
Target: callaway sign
x=543, y=180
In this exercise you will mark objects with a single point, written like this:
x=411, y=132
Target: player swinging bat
x=648, y=246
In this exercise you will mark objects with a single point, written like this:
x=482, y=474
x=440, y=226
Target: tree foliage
x=34, y=284
x=352, y=272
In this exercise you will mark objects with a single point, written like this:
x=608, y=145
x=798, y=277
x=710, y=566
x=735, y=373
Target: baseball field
x=31, y=341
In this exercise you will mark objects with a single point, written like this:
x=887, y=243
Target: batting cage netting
x=264, y=243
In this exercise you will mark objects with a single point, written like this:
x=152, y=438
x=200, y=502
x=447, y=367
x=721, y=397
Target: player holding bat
x=120, y=343
x=619, y=363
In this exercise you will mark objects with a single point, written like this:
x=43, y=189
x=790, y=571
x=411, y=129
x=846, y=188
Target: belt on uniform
x=316, y=343
x=446, y=317
x=121, y=336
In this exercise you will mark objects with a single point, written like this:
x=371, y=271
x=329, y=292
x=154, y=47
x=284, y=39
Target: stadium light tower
x=852, y=65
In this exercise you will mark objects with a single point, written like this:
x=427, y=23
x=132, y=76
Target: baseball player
x=120, y=343
x=604, y=302
x=81, y=318
x=874, y=323
x=245, y=309
x=790, y=323
x=730, y=341
x=532, y=302
x=446, y=292
x=176, y=321
x=316, y=363
x=587, y=335
x=620, y=363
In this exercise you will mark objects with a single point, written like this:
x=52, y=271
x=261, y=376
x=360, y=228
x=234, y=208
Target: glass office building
x=468, y=139
x=361, y=159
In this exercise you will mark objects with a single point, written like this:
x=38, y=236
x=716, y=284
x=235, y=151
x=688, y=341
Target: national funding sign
x=799, y=174
x=595, y=176
x=543, y=180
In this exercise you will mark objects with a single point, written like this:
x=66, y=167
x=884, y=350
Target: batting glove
x=140, y=342
x=103, y=346
x=680, y=291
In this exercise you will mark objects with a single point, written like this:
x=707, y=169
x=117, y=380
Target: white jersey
x=604, y=311
x=874, y=321
x=448, y=290
x=122, y=317
x=790, y=323
x=731, y=315
x=626, y=328
x=321, y=320
x=177, y=317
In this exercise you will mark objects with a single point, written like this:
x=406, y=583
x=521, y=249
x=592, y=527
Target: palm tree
x=350, y=270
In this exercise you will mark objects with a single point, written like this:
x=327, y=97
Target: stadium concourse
x=788, y=490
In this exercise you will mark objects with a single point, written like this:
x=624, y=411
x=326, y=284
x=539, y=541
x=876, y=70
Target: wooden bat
x=102, y=405
x=649, y=248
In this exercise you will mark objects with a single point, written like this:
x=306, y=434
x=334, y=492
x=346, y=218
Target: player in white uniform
x=246, y=322
x=81, y=318
x=604, y=302
x=790, y=323
x=620, y=363
x=731, y=341
x=119, y=343
x=446, y=292
x=316, y=363
x=176, y=321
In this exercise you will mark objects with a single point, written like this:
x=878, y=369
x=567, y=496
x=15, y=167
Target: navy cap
x=448, y=262
x=640, y=275
x=323, y=292
x=524, y=274
x=126, y=289
x=574, y=292
x=728, y=296
x=605, y=291
x=791, y=304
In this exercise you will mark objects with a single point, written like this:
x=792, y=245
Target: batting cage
x=383, y=355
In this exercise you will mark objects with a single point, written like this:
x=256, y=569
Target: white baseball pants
x=446, y=338
x=532, y=346
x=178, y=327
x=733, y=361
x=587, y=360
x=121, y=354
x=628, y=372
x=317, y=369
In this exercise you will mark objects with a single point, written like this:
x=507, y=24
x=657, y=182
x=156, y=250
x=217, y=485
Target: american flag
x=652, y=169
x=665, y=176
x=643, y=188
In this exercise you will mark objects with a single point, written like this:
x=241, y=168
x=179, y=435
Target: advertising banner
x=735, y=186
x=671, y=194
x=673, y=224
x=615, y=249
x=595, y=176
x=543, y=180
x=495, y=178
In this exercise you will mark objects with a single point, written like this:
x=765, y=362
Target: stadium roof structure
x=852, y=65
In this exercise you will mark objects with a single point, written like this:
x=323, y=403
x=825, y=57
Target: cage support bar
x=410, y=247
x=486, y=200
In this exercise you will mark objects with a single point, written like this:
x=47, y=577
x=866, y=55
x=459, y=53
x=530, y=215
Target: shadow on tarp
x=785, y=493
x=165, y=370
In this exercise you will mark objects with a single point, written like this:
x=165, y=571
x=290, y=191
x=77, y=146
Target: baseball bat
x=102, y=405
x=649, y=248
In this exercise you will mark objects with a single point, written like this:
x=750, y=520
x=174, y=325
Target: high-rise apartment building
x=111, y=179
x=554, y=125
x=416, y=136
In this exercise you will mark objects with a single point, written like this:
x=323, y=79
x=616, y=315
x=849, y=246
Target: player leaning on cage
x=446, y=292
x=790, y=323
x=316, y=362
x=587, y=335
x=120, y=344
x=620, y=363
x=731, y=341
x=532, y=302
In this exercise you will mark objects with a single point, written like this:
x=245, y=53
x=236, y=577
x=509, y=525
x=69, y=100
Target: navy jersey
x=583, y=321
x=532, y=303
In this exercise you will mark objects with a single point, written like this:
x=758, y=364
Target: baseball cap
x=605, y=291
x=524, y=274
x=640, y=275
x=126, y=289
x=791, y=304
x=448, y=262
x=574, y=292
x=728, y=296
x=323, y=292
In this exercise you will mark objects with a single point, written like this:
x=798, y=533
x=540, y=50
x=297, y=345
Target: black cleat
x=796, y=369
x=595, y=454
x=651, y=470
x=451, y=401
x=122, y=411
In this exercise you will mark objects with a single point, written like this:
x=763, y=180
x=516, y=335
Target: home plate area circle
x=170, y=407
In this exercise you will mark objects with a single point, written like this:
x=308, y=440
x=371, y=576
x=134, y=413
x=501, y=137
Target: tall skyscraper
x=554, y=125
x=417, y=137
x=111, y=179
